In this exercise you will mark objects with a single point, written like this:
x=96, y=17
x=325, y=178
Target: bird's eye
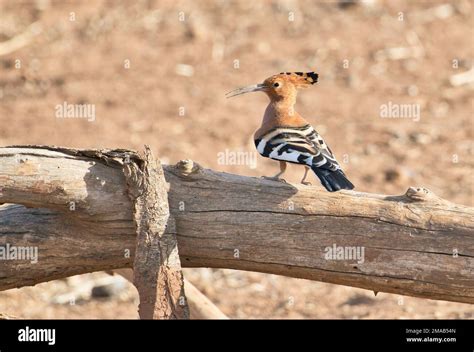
x=276, y=84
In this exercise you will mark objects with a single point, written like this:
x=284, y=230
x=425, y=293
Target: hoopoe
x=287, y=137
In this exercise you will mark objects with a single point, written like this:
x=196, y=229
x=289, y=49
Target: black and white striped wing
x=327, y=160
x=300, y=145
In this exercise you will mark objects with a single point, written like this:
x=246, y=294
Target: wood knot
x=187, y=167
x=421, y=194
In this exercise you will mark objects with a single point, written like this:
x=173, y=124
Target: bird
x=286, y=136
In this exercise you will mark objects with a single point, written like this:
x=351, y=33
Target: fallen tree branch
x=157, y=268
x=415, y=244
x=200, y=306
x=21, y=40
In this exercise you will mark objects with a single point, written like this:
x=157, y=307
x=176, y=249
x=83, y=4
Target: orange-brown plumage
x=278, y=117
x=280, y=111
x=286, y=136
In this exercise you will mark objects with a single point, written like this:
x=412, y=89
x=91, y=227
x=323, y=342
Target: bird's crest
x=301, y=79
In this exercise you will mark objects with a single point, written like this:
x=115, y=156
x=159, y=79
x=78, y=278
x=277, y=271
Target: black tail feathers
x=333, y=180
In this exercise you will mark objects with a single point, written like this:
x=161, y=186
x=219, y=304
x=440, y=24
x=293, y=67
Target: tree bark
x=156, y=268
x=415, y=244
x=131, y=191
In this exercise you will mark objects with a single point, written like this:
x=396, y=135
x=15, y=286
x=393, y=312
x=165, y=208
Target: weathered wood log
x=414, y=244
x=141, y=194
x=156, y=268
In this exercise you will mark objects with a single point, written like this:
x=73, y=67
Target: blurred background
x=156, y=72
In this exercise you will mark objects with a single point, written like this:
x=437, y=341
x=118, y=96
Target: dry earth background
x=138, y=63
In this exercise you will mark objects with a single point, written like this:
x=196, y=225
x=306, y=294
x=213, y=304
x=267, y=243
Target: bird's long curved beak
x=248, y=89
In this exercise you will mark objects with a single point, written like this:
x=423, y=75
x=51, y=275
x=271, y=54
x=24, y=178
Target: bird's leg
x=277, y=176
x=307, y=183
x=282, y=169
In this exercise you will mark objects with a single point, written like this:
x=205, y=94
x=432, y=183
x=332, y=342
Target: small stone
x=370, y=149
x=264, y=48
x=413, y=90
x=440, y=110
x=392, y=175
x=368, y=178
x=108, y=290
x=184, y=70
x=420, y=138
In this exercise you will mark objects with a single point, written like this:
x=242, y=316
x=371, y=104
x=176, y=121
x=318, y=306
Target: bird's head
x=281, y=86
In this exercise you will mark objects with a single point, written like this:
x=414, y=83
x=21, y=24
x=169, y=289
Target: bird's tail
x=333, y=180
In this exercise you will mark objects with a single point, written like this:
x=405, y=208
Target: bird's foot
x=274, y=178
x=306, y=183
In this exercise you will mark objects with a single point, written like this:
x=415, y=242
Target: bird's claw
x=306, y=183
x=273, y=178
